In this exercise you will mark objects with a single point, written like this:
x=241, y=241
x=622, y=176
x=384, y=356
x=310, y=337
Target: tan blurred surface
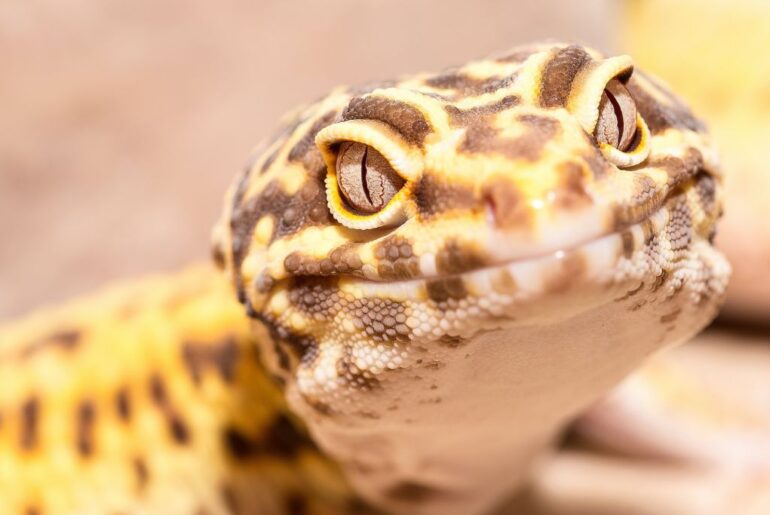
x=123, y=122
x=725, y=470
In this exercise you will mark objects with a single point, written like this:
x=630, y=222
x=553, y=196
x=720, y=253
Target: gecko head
x=383, y=230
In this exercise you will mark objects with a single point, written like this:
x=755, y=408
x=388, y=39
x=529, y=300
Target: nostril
x=504, y=204
x=490, y=210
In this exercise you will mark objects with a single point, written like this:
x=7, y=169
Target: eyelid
x=584, y=103
x=634, y=156
x=394, y=212
x=404, y=159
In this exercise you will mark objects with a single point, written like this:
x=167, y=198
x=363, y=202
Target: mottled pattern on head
x=507, y=197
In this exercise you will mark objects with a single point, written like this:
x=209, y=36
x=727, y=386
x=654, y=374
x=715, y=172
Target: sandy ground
x=123, y=122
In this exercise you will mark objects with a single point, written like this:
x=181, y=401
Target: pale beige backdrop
x=122, y=122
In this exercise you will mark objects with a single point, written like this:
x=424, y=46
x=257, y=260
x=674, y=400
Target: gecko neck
x=456, y=435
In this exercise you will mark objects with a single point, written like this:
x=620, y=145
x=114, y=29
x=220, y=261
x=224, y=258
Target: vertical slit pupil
x=363, y=176
x=618, y=115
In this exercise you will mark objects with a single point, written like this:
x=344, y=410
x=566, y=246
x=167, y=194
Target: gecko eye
x=617, y=123
x=365, y=178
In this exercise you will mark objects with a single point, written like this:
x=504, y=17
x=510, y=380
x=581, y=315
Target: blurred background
x=123, y=122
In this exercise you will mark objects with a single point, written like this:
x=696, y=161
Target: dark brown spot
x=30, y=414
x=296, y=505
x=559, y=74
x=455, y=258
x=670, y=317
x=222, y=356
x=282, y=437
x=434, y=196
x=141, y=472
x=158, y=390
x=177, y=428
x=410, y=491
x=627, y=237
x=179, y=431
x=218, y=255
x=240, y=446
x=405, y=118
x=441, y=290
x=66, y=340
x=396, y=252
x=32, y=510
x=84, y=432
x=123, y=404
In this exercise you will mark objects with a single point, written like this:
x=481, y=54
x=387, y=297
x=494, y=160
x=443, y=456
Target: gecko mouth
x=595, y=260
x=554, y=286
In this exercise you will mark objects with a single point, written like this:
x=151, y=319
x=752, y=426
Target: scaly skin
x=149, y=398
x=435, y=346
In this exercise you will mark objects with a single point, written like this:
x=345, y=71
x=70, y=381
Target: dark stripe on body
x=30, y=414
x=123, y=404
x=84, y=433
x=178, y=430
x=66, y=340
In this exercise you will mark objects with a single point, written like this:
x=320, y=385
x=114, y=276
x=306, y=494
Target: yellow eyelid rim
x=404, y=158
x=635, y=156
x=584, y=104
x=393, y=213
